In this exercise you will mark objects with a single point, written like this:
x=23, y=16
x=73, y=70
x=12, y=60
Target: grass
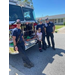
x=58, y=27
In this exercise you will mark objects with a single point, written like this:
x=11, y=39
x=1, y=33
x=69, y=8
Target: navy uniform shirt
x=49, y=27
x=42, y=27
x=16, y=32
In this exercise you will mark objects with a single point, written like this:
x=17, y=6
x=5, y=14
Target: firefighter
x=50, y=29
x=19, y=44
x=42, y=26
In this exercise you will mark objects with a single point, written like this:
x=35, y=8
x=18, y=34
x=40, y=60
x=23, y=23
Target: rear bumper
x=28, y=45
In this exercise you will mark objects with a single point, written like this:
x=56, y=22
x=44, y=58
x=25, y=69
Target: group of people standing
x=47, y=30
x=42, y=30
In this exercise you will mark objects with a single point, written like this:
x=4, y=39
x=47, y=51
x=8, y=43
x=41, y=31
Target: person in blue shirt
x=42, y=26
x=20, y=46
x=50, y=29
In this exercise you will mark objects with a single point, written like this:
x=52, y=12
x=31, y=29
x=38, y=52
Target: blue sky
x=48, y=7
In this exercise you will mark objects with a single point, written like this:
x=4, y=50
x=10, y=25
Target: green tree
x=64, y=23
x=27, y=1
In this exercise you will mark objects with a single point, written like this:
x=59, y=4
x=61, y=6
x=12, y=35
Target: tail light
x=12, y=26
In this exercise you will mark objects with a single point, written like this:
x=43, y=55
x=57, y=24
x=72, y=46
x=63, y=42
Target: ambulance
x=25, y=13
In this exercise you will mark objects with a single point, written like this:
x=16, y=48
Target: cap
x=46, y=19
x=18, y=21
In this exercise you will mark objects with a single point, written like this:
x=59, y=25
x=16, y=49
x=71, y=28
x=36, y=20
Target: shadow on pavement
x=40, y=60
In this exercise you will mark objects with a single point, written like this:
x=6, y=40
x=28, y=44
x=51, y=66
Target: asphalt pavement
x=48, y=62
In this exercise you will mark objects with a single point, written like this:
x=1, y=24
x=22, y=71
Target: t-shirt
x=35, y=24
x=49, y=26
x=39, y=35
x=16, y=32
x=42, y=28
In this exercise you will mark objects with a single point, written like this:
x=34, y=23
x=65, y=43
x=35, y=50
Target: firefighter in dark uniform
x=50, y=29
x=42, y=26
x=20, y=46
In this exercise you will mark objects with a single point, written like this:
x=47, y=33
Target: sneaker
x=31, y=64
x=27, y=65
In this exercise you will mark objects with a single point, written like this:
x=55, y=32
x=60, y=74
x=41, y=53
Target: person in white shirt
x=39, y=38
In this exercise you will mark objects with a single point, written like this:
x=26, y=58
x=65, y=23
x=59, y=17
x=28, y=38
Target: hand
x=35, y=36
x=53, y=32
x=45, y=34
x=39, y=40
x=16, y=48
x=25, y=44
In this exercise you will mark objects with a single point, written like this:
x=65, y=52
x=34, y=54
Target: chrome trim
x=10, y=22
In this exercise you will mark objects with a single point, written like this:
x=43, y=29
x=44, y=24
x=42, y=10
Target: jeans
x=21, y=49
x=49, y=34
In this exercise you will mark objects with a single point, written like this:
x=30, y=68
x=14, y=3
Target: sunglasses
x=18, y=23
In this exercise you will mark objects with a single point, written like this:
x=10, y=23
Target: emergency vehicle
x=25, y=13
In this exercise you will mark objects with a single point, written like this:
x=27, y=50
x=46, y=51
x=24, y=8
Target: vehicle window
x=15, y=12
x=28, y=14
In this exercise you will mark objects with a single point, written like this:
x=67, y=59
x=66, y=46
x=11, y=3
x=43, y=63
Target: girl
x=39, y=38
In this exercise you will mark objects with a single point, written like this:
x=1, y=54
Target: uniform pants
x=49, y=34
x=43, y=41
x=21, y=49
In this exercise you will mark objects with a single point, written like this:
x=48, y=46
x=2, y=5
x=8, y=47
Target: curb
x=62, y=30
x=59, y=29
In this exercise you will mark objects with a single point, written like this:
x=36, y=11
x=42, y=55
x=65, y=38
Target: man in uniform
x=20, y=46
x=42, y=26
x=50, y=29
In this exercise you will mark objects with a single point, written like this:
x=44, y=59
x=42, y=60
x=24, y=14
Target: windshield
x=15, y=12
x=28, y=14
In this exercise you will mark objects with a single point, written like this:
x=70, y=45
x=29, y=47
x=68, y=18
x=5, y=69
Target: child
x=39, y=38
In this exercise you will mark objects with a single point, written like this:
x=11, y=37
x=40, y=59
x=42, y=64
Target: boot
x=44, y=48
x=31, y=64
x=48, y=46
x=27, y=65
x=53, y=48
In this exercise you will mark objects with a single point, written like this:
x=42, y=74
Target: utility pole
x=42, y=15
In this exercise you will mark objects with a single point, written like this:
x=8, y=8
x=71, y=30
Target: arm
x=23, y=39
x=37, y=38
x=45, y=28
x=33, y=27
x=41, y=38
x=15, y=47
x=14, y=40
x=53, y=28
x=36, y=31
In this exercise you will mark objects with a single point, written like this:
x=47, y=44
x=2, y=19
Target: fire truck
x=25, y=13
